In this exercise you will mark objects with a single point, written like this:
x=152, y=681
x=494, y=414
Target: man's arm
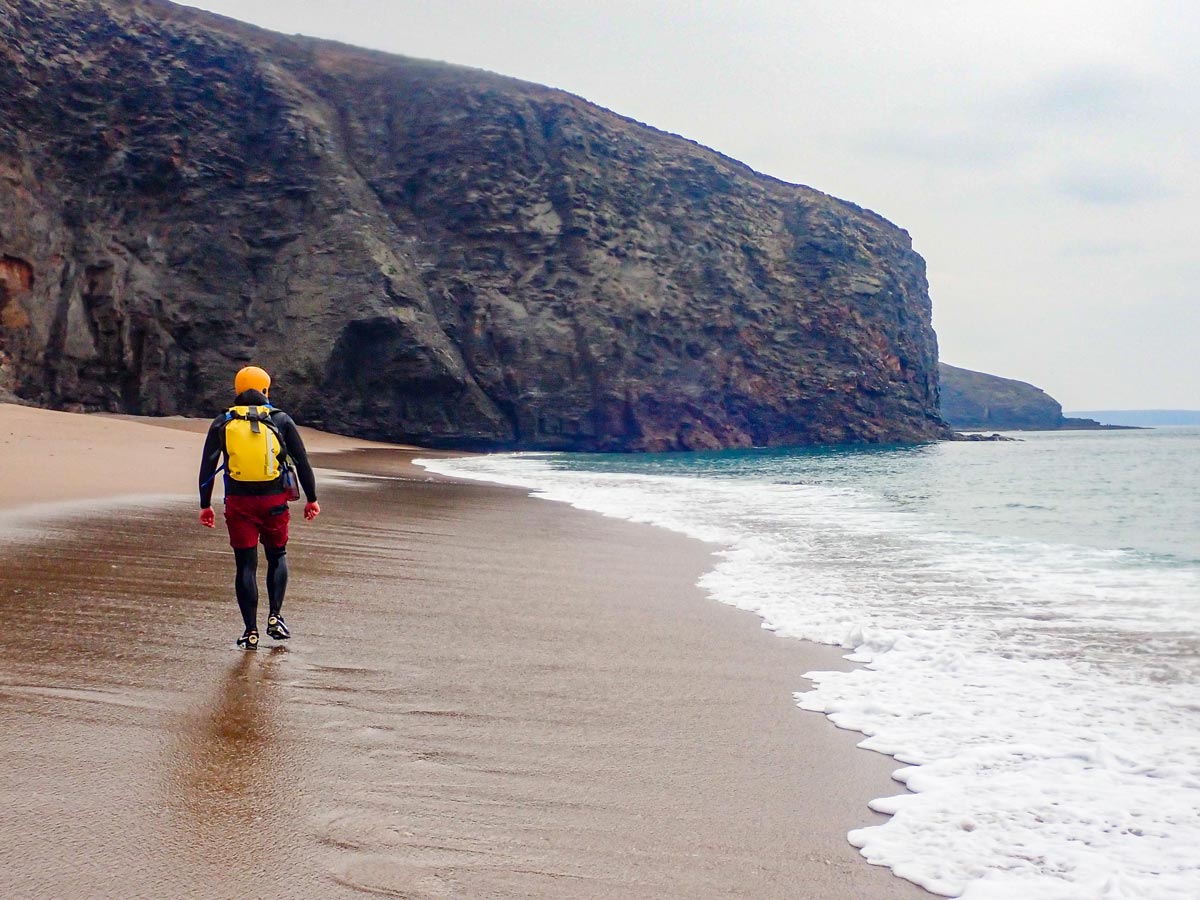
x=299, y=456
x=210, y=459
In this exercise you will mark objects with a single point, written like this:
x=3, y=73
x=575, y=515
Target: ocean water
x=1028, y=619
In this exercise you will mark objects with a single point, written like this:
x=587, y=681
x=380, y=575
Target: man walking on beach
x=257, y=441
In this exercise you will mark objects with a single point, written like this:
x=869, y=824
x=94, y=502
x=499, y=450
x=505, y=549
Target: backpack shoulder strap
x=284, y=456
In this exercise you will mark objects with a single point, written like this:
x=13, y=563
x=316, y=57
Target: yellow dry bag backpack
x=254, y=448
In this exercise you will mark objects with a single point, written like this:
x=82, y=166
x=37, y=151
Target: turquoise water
x=1134, y=490
x=1028, y=614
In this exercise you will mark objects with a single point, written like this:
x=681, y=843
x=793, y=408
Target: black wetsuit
x=246, y=579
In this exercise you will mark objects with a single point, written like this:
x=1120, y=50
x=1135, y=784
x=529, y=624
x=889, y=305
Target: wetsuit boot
x=246, y=586
x=248, y=641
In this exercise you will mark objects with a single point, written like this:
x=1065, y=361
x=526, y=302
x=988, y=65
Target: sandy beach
x=486, y=696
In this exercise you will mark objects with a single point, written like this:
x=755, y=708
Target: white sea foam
x=1042, y=695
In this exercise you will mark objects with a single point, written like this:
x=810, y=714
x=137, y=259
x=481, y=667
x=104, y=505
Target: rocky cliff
x=974, y=401
x=422, y=252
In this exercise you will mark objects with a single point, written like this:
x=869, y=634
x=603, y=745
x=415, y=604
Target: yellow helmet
x=252, y=378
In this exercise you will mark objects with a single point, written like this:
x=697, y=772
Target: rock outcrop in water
x=422, y=252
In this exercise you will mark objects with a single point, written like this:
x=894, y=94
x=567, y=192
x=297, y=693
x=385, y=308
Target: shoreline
x=619, y=649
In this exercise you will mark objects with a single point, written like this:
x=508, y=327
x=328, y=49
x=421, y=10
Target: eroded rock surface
x=422, y=252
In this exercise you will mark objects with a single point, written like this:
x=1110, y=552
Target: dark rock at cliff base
x=974, y=401
x=422, y=252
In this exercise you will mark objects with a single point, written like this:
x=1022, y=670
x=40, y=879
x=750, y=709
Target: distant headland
x=1143, y=418
x=975, y=401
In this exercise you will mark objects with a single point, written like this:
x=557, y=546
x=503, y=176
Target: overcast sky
x=1045, y=156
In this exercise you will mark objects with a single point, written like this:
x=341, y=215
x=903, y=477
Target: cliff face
x=974, y=401
x=422, y=252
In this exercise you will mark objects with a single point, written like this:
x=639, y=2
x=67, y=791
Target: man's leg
x=246, y=585
x=277, y=577
x=243, y=537
x=274, y=540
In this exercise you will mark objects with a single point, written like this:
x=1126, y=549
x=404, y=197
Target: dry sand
x=50, y=457
x=486, y=696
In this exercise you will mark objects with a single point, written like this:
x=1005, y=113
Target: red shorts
x=249, y=518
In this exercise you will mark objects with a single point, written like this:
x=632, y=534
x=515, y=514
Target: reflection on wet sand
x=95, y=666
x=229, y=767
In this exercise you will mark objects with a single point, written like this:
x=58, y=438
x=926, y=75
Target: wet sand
x=486, y=696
